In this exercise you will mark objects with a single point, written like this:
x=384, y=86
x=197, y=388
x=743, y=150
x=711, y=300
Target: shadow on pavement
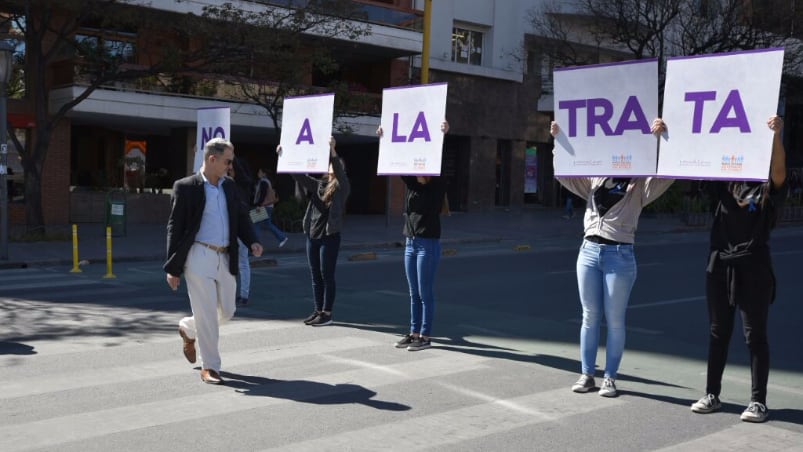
x=16, y=348
x=308, y=391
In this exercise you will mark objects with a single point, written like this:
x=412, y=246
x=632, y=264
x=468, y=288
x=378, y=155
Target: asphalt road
x=94, y=364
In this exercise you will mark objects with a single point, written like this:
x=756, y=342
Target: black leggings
x=750, y=289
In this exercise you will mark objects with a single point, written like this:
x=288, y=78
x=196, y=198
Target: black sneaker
x=405, y=341
x=419, y=343
x=242, y=301
x=312, y=317
x=322, y=319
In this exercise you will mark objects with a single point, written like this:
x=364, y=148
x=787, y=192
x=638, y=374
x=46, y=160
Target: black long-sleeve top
x=422, y=207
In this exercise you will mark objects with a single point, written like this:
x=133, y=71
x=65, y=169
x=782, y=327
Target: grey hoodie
x=620, y=222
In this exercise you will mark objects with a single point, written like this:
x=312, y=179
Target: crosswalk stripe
x=744, y=437
x=157, y=369
x=459, y=425
x=104, y=317
x=129, y=418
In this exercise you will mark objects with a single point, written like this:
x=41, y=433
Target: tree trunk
x=34, y=216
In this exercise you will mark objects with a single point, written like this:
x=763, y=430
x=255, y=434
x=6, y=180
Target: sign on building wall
x=531, y=170
x=716, y=109
x=605, y=113
x=412, y=141
x=212, y=122
x=306, y=129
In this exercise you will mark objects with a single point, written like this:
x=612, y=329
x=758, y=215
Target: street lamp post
x=6, y=53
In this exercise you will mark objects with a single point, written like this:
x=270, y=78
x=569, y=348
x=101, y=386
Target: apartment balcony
x=157, y=104
x=394, y=32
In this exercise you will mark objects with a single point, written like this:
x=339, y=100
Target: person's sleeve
x=307, y=183
x=580, y=186
x=342, y=177
x=176, y=225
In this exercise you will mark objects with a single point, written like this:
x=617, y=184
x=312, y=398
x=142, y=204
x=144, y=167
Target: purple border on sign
x=309, y=95
x=571, y=176
x=618, y=63
x=720, y=54
x=413, y=86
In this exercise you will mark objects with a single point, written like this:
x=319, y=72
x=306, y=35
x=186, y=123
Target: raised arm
x=778, y=162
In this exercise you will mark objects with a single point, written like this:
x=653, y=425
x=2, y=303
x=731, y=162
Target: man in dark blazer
x=205, y=222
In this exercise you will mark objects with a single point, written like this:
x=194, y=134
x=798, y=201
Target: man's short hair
x=217, y=146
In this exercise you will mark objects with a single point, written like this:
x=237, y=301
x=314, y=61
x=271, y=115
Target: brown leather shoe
x=211, y=376
x=189, y=346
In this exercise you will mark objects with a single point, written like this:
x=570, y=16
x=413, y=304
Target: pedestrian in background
x=206, y=219
x=606, y=263
x=423, y=204
x=739, y=276
x=245, y=187
x=323, y=222
x=262, y=198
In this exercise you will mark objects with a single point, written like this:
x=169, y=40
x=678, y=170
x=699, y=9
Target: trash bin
x=116, y=212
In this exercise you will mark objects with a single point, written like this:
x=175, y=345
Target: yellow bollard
x=109, y=273
x=75, y=268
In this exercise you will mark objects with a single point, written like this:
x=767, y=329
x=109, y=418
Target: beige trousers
x=212, y=292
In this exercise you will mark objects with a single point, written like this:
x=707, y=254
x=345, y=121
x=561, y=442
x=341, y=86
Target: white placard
x=412, y=140
x=212, y=122
x=306, y=129
x=716, y=109
x=605, y=113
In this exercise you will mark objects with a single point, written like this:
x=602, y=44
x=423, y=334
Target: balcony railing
x=369, y=12
x=221, y=88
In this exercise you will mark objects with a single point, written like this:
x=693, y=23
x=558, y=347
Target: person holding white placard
x=739, y=277
x=606, y=263
x=423, y=204
x=323, y=221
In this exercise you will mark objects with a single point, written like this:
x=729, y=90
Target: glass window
x=467, y=46
x=121, y=49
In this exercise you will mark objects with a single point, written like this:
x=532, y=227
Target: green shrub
x=288, y=214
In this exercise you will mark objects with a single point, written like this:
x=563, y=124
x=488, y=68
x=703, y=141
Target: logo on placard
x=419, y=163
x=622, y=161
x=732, y=163
x=312, y=163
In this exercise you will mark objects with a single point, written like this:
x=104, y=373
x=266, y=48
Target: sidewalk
x=360, y=232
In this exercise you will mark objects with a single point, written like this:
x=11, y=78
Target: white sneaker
x=584, y=384
x=708, y=404
x=755, y=412
x=608, y=388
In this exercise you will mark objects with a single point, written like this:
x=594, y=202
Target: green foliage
x=288, y=214
x=669, y=202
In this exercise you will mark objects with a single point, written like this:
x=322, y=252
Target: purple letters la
x=306, y=133
x=420, y=129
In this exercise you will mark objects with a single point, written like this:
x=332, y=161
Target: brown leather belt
x=219, y=249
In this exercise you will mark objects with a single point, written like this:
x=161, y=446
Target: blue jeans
x=605, y=277
x=421, y=258
x=268, y=224
x=322, y=258
x=244, y=269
